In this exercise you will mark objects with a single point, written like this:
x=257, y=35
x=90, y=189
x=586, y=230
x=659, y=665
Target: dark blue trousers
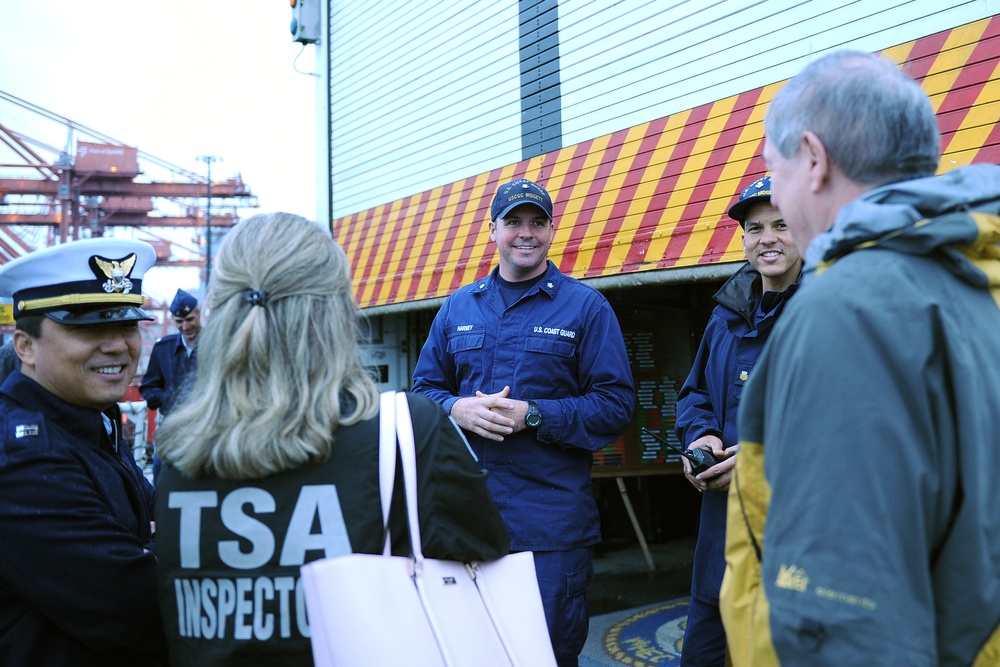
x=705, y=638
x=563, y=579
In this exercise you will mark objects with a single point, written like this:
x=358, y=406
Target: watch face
x=534, y=417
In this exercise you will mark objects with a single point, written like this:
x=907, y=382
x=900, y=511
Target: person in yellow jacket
x=863, y=526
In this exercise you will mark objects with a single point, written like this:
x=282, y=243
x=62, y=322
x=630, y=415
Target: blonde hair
x=273, y=381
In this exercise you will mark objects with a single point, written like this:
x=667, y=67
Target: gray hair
x=278, y=367
x=875, y=121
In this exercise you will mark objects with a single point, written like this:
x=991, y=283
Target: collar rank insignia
x=744, y=375
x=117, y=272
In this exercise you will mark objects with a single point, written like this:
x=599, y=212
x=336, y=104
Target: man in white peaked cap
x=77, y=572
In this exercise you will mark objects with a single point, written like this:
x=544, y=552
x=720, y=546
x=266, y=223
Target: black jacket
x=77, y=581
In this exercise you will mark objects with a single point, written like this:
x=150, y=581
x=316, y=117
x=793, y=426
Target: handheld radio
x=701, y=459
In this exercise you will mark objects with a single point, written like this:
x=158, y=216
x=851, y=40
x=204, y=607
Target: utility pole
x=208, y=160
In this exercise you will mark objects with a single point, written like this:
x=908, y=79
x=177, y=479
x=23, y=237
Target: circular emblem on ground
x=651, y=637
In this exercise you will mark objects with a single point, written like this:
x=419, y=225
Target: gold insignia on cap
x=116, y=271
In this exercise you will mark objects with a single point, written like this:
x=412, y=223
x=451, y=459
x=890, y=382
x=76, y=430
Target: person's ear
x=493, y=231
x=817, y=161
x=24, y=346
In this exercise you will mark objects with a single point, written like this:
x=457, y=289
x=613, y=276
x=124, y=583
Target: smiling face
x=189, y=325
x=87, y=366
x=523, y=238
x=769, y=247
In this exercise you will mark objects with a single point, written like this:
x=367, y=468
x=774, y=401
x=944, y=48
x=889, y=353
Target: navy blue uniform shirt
x=710, y=398
x=169, y=365
x=560, y=345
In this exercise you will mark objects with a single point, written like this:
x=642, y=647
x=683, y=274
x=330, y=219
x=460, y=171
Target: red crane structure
x=96, y=183
x=50, y=195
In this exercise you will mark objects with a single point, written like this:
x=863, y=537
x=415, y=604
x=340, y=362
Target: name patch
x=554, y=331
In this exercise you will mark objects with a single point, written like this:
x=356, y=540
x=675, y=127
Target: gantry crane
x=89, y=186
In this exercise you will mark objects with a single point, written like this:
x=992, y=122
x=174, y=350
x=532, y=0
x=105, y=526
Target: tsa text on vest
x=205, y=607
x=259, y=606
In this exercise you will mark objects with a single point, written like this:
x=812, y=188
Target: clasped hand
x=492, y=416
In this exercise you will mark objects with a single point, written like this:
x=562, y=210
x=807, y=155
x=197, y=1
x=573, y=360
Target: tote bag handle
x=386, y=459
x=395, y=426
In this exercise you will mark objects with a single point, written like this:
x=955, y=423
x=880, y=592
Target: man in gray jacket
x=863, y=523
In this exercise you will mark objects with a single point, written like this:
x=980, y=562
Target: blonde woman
x=272, y=460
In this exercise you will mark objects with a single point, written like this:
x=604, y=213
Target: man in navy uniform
x=749, y=304
x=531, y=363
x=77, y=574
x=172, y=358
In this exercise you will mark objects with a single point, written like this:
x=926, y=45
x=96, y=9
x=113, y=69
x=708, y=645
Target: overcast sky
x=177, y=80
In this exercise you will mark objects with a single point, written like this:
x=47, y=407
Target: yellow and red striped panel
x=653, y=196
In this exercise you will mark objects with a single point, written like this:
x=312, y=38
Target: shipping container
x=107, y=159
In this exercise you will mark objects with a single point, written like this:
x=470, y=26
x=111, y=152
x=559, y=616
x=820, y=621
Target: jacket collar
x=742, y=291
x=549, y=283
x=896, y=215
x=85, y=423
x=180, y=346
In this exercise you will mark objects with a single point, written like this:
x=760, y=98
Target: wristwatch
x=534, y=418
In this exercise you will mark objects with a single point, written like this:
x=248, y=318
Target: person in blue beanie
x=171, y=361
x=749, y=304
